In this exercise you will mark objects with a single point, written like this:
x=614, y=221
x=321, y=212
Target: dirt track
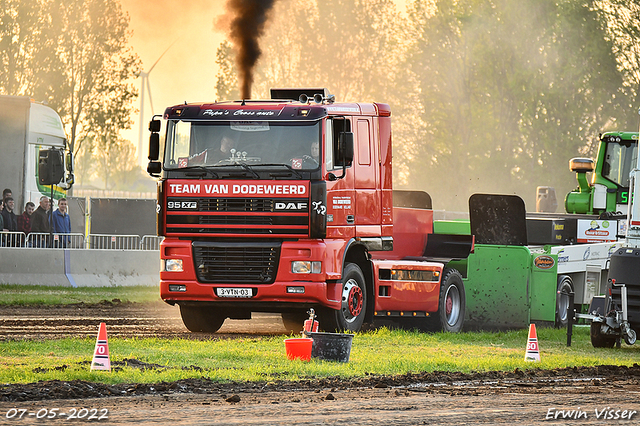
x=526, y=397
x=122, y=319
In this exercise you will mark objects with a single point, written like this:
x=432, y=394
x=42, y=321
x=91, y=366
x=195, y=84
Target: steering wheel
x=224, y=161
x=311, y=160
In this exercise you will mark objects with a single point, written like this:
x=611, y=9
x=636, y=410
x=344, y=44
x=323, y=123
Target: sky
x=187, y=71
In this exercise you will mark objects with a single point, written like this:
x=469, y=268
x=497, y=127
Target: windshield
x=619, y=160
x=211, y=144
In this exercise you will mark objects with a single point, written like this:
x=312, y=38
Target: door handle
x=351, y=218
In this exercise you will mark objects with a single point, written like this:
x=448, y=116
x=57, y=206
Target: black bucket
x=331, y=346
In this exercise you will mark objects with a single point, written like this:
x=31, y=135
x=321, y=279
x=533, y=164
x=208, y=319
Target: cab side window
x=337, y=125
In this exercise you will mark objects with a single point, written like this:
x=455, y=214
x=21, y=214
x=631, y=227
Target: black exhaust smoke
x=247, y=25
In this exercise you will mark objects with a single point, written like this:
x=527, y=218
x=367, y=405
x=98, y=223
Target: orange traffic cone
x=101, y=353
x=533, y=352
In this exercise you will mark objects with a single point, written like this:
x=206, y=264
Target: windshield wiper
x=225, y=168
x=249, y=169
x=200, y=168
x=288, y=167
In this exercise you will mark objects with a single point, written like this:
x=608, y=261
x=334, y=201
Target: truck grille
x=235, y=205
x=236, y=263
x=239, y=216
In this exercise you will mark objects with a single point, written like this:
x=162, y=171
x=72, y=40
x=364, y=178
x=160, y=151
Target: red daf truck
x=287, y=204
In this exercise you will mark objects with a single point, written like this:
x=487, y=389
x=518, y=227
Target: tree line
x=74, y=55
x=487, y=95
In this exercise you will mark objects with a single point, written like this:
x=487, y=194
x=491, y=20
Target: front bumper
x=273, y=295
x=313, y=289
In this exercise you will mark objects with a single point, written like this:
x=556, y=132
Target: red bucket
x=298, y=348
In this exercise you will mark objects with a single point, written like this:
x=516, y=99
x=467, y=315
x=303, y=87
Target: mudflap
x=508, y=285
x=498, y=219
x=498, y=288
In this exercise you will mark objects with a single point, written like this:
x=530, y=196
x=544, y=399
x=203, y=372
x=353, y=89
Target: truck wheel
x=294, y=321
x=451, y=306
x=201, y=319
x=600, y=340
x=565, y=286
x=350, y=316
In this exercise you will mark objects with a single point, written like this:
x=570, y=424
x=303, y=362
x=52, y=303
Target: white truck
x=27, y=130
x=615, y=316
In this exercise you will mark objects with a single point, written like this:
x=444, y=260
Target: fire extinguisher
x=311, y=325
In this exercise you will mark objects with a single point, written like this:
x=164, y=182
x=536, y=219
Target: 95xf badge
x=182, y=205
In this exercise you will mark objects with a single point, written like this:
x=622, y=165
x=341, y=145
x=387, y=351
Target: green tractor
x=608, y=191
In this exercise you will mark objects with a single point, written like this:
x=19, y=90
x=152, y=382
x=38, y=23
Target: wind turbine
x=144, y=84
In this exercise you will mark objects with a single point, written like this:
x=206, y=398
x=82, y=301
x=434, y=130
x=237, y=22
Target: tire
x=565, y=286
x=599, y=340
x=452, y=302
x=294, y=321
x=201, y=319
x=350, y=316
x=630, y=338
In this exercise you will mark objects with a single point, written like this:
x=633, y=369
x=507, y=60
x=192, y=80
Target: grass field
x=381, y=351
x=263, y=359
x=46, y=295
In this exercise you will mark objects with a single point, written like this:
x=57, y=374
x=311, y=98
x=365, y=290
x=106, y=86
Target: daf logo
x=291, y=206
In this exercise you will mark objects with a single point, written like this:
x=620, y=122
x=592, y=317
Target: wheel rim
x=563, y=301
x=352, y=300
x=630, y=337
x=452, y=305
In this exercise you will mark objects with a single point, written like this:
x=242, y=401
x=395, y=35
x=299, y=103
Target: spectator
x=61, y=222
x=1, y=219
x=6, y=193
x=40, y=221
x=24, y=220
x=8, y=216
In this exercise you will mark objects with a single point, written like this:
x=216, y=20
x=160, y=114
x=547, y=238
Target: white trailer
x=26, y=128
x=588, y=267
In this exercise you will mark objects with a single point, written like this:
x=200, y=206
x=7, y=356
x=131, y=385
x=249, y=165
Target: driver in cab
x=307, y=161
x=213, y=156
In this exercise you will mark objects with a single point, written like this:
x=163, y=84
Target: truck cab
x=283, y=205
x=33, y=143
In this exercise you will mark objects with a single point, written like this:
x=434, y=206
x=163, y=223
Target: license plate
x=234, y=292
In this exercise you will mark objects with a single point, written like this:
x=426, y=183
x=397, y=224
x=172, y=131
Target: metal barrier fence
x=150, y=242
x=12, y=239
x=79, y=241
x=114, y=242
x=42, y=239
